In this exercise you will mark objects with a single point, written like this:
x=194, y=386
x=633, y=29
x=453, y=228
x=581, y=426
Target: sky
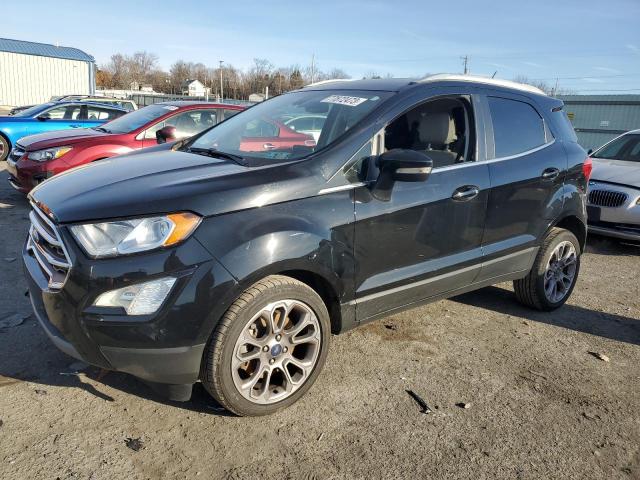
x=588, y=46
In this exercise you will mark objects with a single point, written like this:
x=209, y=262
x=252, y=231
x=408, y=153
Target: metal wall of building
x=600, y=118
x=32, y=79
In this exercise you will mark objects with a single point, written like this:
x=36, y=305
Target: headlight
x=140, y=299
x=121, y=237
x=48, y=154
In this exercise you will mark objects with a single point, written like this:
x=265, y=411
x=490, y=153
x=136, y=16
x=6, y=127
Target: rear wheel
x=269, y=347
x=554, y=273
x=5, y=148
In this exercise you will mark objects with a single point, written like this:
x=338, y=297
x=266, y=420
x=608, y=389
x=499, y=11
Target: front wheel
x=554, y=273
x=269, y=347
x=5, y=148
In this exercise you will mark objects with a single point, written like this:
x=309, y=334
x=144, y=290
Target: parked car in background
x=210, y=260
x=613, y=203
x=53, y=116
x=261, y=135
x=38, y=157
x=307, y=124
x=128, y=105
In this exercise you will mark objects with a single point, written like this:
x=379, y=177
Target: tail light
x=587, y=167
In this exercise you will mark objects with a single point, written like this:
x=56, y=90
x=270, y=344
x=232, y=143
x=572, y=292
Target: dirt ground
x=541, y=406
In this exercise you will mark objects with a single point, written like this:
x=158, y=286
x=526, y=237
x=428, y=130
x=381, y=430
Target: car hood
x=147, y=183
x=616, y=171
x=59, y=137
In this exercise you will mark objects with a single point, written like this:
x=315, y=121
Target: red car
x=38, y=157
x=262, y=134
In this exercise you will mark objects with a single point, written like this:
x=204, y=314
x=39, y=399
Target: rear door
x=527, y=169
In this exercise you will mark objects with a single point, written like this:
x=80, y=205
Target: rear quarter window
x=564, y=126
x=517, y=126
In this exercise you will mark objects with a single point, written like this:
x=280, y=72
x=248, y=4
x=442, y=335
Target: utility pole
x=221, y=79
x=465, y=62
x=555, y=88
x=313, y=67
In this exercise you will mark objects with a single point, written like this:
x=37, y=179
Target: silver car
x=613, y=202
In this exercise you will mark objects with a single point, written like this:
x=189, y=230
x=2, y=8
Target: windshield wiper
x=212, y=152
x=102, y=129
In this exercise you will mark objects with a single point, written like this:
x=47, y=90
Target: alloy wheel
x=276, y=351
x=561, y=272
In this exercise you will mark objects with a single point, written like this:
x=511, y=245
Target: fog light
x=139, y=299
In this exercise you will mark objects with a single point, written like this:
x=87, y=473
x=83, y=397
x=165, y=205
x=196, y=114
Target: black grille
x=46, y=246
x=607, y=198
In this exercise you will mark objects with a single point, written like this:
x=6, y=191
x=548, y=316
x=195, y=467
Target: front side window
x=261, y=132
x=517, y=126
x=442, y=128
x=187, y=123
x=626, y=148
x=67, y=112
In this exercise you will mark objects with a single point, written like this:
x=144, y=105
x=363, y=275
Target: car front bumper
x=620, y=221
x=163, y=349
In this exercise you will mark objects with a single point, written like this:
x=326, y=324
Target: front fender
x=90, y=154
x=312, y=235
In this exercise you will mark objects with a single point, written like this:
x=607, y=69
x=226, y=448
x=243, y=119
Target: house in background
x=194, y=88
x=32, y=72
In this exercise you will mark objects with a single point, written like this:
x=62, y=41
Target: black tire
x=5, y=148
x=216, y=373
x=530, y=289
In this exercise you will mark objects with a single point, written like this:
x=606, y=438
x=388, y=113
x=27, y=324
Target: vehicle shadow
x=573, y=317
x=610, y=246
x=51, y=367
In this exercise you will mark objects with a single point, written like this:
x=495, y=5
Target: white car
x=307, y=124
x=613, y=203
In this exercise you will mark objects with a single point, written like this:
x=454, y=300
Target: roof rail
x=484, y=80
x=322, y=82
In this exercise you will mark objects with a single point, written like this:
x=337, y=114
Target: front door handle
x=76, y=125
x=269, y=146
x=466, y=193
x=550, y=174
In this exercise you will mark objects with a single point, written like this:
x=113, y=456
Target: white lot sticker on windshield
x=344, y=100
x=170, y=107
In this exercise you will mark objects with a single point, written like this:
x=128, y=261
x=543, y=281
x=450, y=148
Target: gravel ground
x=540, y=405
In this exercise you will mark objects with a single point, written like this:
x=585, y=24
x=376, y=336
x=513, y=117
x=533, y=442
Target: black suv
x=231, y=257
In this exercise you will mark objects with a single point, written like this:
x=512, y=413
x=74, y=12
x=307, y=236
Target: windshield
x=626, y=147
x=31, y=111
x=290, y=126
x=134, y=120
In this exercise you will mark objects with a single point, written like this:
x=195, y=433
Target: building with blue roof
x=32, y=73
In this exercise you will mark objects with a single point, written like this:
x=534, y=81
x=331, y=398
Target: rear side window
x=517, y=126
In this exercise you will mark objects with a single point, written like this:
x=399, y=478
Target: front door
x=426, y=239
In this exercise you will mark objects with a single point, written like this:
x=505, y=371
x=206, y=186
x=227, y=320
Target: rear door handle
x=465, y=193
x=76, y=125
x=550, y=174
x=269, y=146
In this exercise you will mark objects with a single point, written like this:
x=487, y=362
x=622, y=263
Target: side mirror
x=43, y=117
x=166, y=134
x=590, y=151
x=400, y=165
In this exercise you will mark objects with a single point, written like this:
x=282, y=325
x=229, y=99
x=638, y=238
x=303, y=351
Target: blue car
x=53, y=116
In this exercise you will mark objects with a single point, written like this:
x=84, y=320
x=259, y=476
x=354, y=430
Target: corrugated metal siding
x=599, y=118
x=30, y=79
